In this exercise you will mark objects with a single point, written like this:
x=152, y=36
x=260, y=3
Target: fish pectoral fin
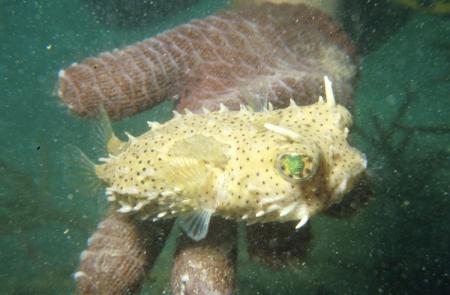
x=188, y=173
x=200, y=147
x=196, y=223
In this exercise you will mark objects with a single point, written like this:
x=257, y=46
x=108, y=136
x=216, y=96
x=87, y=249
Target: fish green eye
x=296, y=167
x=292, y=164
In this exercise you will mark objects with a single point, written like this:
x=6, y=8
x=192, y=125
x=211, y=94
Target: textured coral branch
x=124, y=81
x=272, y=52
x=208, y=266
x=119, y=255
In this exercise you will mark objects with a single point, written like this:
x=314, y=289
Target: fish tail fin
x=80, y=172
x=105, y=135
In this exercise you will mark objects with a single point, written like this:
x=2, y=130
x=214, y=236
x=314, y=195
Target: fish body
x=276, y=165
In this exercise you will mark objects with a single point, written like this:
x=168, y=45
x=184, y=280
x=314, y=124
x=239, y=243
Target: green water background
x=399, y=244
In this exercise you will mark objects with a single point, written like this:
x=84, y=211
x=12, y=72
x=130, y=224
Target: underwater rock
x=371, y=23
x=276, y=245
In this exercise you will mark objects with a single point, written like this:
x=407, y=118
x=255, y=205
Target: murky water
x=398, y=244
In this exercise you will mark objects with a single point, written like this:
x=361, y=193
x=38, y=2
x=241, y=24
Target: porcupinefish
x=275, y=165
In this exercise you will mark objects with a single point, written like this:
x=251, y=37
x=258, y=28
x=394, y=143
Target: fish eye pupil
x=292, y=165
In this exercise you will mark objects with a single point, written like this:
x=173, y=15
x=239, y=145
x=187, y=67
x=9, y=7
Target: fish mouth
x=358, y=197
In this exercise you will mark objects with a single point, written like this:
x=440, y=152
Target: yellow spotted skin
x=226, y=162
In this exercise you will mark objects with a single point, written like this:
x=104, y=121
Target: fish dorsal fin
x=105, y=133
x=196, y=223
x=200, y=147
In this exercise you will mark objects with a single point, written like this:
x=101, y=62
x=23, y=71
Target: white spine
x=176, y=114
x=222, y=108
x=294, y=136
x=131, y=138
x=329, y=92
x=153, y=125
x=288, y=209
